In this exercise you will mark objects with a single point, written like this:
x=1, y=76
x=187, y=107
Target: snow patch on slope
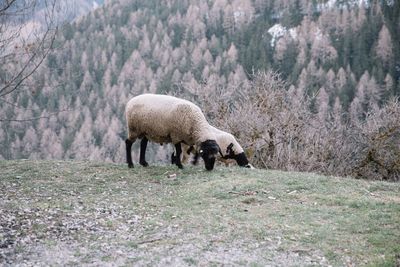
x=277, y=31
x=332, y=4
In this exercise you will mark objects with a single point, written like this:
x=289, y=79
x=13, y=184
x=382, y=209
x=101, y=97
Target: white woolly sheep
x=230, y=150
x=167, y=119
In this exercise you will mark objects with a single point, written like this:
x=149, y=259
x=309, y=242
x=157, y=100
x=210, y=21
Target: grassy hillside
x=68, y=212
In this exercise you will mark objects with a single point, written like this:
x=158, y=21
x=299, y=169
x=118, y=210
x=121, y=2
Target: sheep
x=167, y=119
x=230, y=150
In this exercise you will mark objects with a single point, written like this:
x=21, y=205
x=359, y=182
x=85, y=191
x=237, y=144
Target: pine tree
x=31, y=142
x=389, y=84
x=322, y=52
x=384, y=47
x=229, y=20
x=322, y=105
x=50, y=145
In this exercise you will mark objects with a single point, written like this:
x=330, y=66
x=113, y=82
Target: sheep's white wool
x=224, y=139
x=166, y=119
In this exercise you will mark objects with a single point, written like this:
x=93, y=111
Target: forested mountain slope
x=343, y=56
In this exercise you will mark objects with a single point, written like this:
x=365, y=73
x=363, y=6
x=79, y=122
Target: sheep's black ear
x=229, y=149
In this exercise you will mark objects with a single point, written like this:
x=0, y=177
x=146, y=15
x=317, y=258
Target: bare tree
x=24, y=41
x=384, y=48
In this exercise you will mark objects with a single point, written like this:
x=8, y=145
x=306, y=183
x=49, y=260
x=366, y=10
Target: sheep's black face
x=209, y=163
x=208, y=151
x=240, y=158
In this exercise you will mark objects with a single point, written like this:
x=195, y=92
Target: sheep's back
x=160, y=118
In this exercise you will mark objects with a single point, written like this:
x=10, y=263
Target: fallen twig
x=245, y=193
x=370, y=193
x=149, y=241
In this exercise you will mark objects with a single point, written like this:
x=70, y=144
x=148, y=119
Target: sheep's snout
x=241, y=160
x=209, y=163
x=209, y=151
x=209, y=160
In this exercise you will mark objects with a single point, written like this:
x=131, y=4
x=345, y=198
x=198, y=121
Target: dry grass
x=65, y=213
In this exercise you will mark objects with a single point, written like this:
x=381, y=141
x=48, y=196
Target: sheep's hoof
x=130, y=165
x=144, y=163
x=180, y=166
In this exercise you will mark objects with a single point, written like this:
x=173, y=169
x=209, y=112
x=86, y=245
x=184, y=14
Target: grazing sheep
x=230, y=150
x=167, y=119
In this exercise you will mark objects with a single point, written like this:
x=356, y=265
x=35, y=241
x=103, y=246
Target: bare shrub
x=269, y=120
x=266, y=118
x=278, y=129
x=378, y=144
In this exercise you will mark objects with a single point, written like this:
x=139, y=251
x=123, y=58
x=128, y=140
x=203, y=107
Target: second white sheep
x=230, y=150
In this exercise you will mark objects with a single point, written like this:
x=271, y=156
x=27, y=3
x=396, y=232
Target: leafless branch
x=36, y=118
x=6, y=5
x=20, y=77
x=36, y=52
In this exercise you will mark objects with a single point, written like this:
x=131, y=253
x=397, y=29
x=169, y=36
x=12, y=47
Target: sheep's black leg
x=143, y=146
x=178, y=149
x=196, y=158
x=173, y=159
x=128, y=144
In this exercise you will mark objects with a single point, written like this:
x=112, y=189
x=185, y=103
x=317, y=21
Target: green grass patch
x=161, y=215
